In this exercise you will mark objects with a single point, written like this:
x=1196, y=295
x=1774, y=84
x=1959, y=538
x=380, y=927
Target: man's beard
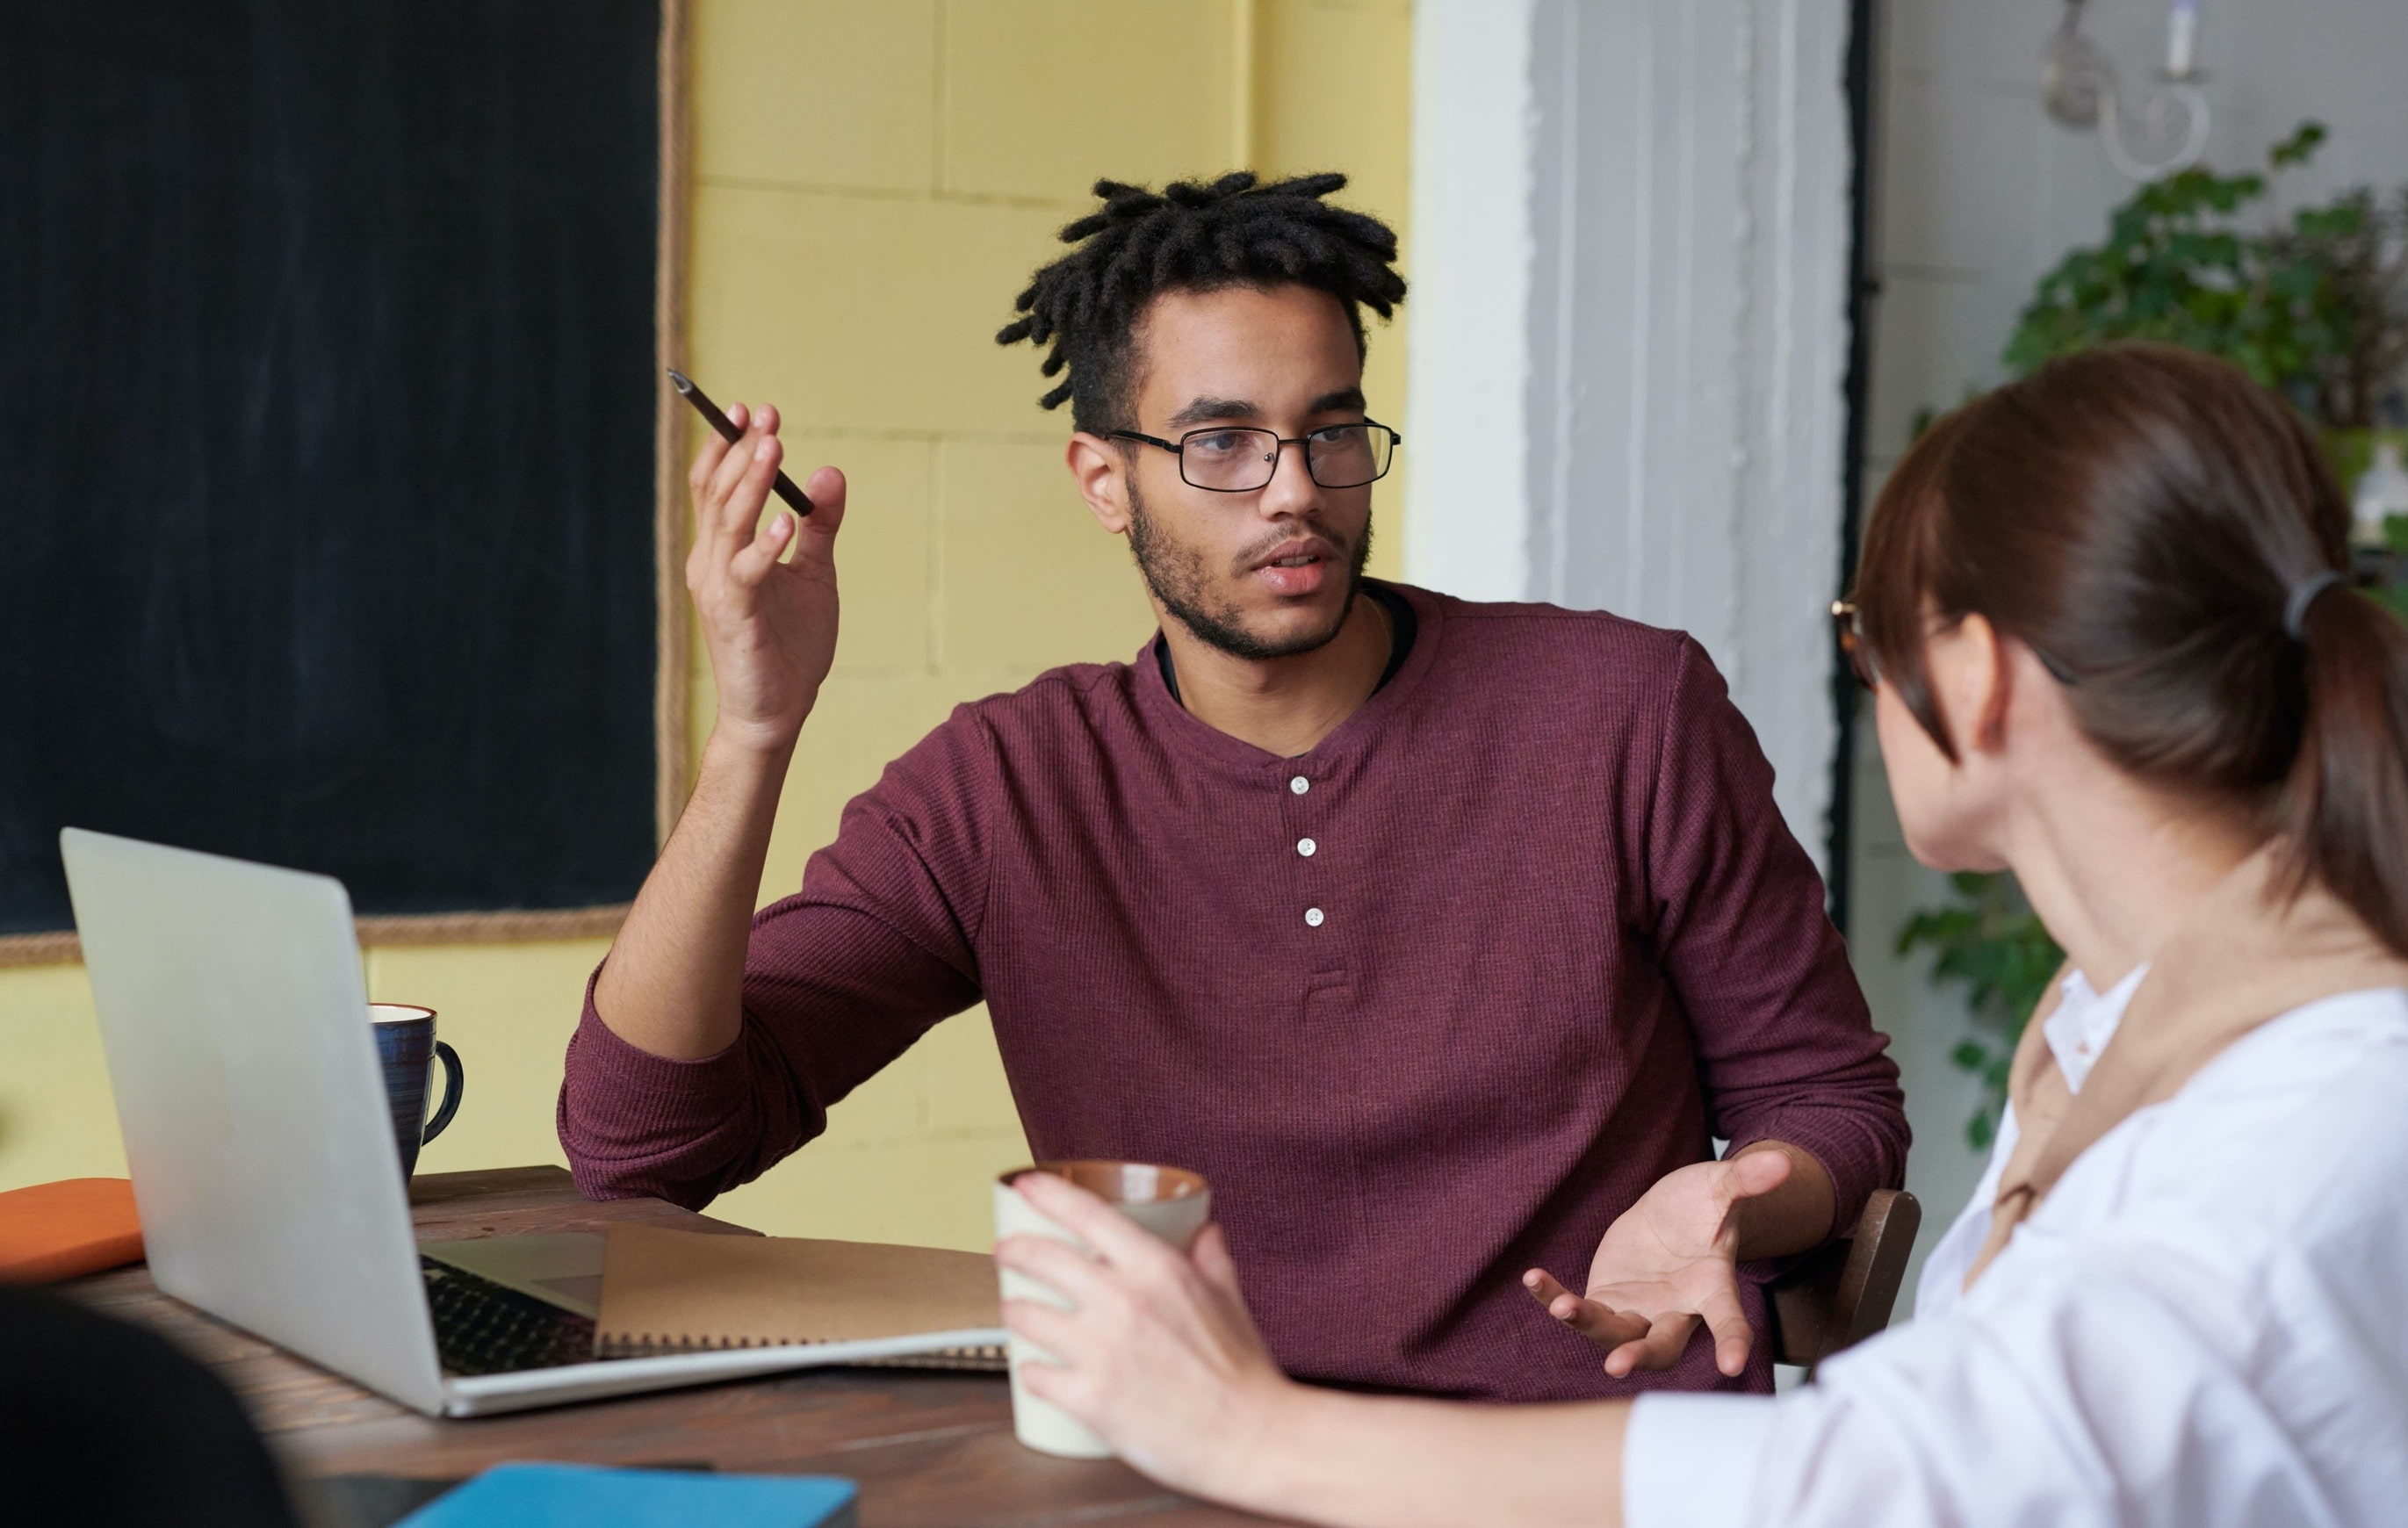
x=1179, y=579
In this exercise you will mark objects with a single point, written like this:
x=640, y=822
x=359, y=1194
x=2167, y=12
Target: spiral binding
x=982, y=1359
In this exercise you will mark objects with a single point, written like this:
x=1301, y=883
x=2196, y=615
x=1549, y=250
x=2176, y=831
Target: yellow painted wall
x=874, y=181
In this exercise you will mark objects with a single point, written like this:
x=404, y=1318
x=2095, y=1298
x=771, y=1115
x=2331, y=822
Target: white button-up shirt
x=2078, y=1029
x=2203, y=1325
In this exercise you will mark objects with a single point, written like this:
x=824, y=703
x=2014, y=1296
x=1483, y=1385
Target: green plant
x=2358, y=245
x=2287, y=303
x=2315, y=307
x=2393, y=594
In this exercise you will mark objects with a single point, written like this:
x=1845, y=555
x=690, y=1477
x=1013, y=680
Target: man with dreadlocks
x=1442, y=938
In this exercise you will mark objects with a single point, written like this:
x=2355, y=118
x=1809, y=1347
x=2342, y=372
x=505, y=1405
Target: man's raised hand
x=769, y=625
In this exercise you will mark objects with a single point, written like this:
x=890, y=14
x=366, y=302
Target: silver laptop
x=234, y=1021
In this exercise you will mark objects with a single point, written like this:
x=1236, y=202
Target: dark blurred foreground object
x=104, y=1424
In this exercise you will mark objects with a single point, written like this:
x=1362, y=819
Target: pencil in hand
x=784, y=488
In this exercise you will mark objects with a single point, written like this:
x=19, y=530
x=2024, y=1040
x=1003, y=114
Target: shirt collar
x=2085, y=1020
x=1343, y=748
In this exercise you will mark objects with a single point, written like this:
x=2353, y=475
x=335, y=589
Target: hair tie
x=2303, y=593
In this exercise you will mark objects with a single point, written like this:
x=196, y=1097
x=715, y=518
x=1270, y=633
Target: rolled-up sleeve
x=1785, y=1047
x=839, y=980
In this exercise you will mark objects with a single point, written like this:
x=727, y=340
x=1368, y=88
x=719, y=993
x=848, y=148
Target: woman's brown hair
x=2168, y=538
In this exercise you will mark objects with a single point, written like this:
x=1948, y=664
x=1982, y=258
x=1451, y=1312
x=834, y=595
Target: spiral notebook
x=673, y=1291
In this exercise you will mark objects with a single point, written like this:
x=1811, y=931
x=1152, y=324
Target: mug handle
x=454, y=1083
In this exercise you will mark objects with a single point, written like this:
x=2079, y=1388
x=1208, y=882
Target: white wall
x=1977, y=195
x=1630, y=240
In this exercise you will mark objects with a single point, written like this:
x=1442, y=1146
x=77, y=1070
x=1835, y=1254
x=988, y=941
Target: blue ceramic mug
x=406, y=1046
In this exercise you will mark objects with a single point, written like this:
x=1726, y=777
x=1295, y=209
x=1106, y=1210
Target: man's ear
x=1100, y=468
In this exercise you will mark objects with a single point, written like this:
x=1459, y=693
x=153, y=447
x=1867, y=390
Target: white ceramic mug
x=1170, y=1202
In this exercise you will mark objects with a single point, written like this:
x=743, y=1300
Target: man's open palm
x=1668, y=1263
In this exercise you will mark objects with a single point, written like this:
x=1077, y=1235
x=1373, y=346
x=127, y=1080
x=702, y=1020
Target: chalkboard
x=328, y=360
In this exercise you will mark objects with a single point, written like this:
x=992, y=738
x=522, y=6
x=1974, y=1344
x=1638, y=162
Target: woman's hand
x=1158, y=1353
x=1160, y=1358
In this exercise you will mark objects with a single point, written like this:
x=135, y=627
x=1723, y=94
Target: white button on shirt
x=1299, y=785
x=1313, y=916
x=2201, y=1325
x=1307, y=848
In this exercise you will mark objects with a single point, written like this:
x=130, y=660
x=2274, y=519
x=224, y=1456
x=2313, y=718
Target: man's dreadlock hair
x=1192, y=236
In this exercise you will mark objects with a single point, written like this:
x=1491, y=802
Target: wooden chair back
x=1841, y=1295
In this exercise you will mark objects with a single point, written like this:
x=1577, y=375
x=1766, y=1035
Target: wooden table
x=926, y=1449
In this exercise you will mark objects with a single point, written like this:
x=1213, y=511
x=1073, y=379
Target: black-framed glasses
x=1232, y=459
x=1848, y=626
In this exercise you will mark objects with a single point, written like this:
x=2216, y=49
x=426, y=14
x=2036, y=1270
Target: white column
x=1630, y=241
x=1466, y=527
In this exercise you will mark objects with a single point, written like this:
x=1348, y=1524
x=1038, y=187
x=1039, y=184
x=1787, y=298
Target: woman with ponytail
x=2104, y=612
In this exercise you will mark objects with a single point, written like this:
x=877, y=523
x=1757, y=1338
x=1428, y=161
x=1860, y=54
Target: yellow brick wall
x=873, y=183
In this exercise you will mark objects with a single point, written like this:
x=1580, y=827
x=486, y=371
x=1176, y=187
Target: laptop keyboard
x=481, y=1327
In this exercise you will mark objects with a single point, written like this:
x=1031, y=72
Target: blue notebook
x=584, y=1496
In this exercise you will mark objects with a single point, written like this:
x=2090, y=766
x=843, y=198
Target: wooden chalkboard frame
x=673, y=647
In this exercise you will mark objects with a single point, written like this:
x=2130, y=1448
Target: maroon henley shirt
x=1429, y=1004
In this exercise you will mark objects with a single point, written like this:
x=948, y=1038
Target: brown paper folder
x=668, y=1291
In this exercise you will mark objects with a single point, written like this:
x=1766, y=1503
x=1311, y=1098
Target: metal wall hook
x=2167, y=135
